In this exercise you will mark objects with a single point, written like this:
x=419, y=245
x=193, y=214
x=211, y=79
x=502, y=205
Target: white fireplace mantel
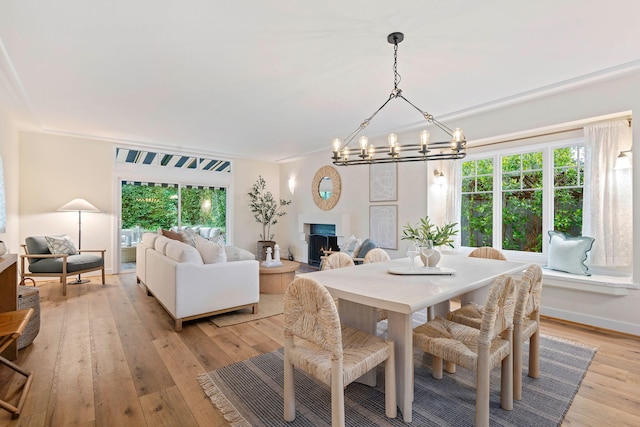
x=342, y=223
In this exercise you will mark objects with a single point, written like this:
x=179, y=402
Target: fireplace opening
x=321, y=237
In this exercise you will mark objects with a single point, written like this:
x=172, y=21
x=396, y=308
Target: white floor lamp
x=79, y=205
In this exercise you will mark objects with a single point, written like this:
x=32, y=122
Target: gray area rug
x=269, y=305
x=250, y=393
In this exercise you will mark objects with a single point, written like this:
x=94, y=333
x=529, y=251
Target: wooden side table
x=274, y=280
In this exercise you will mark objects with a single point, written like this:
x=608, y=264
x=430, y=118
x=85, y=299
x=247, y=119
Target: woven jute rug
x=269, y=305
x=250, y=393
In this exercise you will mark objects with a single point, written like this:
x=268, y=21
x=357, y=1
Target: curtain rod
x=538, y=135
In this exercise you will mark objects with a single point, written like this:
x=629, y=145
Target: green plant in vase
x=266, y=210
x=425, y=230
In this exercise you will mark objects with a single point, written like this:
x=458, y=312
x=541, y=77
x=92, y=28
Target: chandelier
x=425, y=150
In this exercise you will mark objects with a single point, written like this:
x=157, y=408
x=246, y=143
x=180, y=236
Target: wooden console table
x=274, y=280
x=9, y=294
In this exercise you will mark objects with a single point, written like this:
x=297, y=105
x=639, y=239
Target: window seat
x=601, y=281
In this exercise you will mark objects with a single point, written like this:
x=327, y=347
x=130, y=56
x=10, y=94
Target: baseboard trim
x=598, y=322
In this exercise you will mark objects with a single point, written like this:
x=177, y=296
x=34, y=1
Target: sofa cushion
x=149, y=239
x=181, y=252
x=238, y=254
x=160, y=244
x=61, y=245
x=210, y=252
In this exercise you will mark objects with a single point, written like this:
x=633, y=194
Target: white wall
x=56, y=169
x=580, y=103
x=9, y=153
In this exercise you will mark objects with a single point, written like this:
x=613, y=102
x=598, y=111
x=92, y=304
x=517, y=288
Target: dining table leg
x=362, y=317
x=400, y=331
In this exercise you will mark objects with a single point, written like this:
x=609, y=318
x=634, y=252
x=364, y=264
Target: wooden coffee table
x=274, y=280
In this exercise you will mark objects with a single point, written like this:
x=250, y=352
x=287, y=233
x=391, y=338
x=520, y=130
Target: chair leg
x=534, y=355
x=337, y=394
x=450, y=367
x=391, y=404
x=517, y=365
x=16, y=410
x=437, y=368
x=482, y=390
x=506, y=383
x=103, y=281
x=289, y=390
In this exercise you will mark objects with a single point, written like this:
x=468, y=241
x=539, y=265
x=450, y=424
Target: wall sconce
x=440, y=179
x=623, y=161
x=292, y=185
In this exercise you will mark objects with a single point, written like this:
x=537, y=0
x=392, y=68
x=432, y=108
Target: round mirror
x=326, y=188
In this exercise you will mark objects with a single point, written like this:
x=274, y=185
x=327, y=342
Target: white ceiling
x=276, y=79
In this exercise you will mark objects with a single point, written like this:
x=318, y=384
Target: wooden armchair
x=42, y=263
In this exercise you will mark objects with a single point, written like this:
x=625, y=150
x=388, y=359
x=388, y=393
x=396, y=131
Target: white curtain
x=3, y=206
x=607, y=206
x=452, y=170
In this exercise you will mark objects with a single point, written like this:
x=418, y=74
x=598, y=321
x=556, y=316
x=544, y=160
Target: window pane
x=532, y=161
x=204, y=206
x=476, y=221
x=522, y=220
x=149, y=206
x=485, y=167
x=511, y=181
x=468, y=185
x=511, y=163
x=522, y=202
x=568, y=172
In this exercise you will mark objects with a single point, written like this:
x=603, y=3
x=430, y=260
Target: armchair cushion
x=61, y=245
x=74, y=263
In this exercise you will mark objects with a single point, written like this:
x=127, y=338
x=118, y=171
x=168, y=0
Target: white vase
x=3, y=248
x=434, y=259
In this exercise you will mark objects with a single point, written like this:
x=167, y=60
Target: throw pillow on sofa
x=170, y=234
x=181, y=252
x=210, y=252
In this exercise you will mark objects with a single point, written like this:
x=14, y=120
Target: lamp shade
x=78, y=205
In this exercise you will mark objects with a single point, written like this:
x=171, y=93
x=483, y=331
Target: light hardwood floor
x=108, y=356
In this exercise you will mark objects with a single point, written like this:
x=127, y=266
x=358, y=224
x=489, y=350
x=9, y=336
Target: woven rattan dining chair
x=487, y=252
x=376, y=255
x=481, y=349
x=12, y=324
x=337, y=260
x=333, y=354
x=526, y=324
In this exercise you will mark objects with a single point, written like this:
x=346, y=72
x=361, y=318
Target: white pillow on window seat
x=567, y=253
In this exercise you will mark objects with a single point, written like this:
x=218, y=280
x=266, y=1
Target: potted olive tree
x=425, y=230
x=266, y=210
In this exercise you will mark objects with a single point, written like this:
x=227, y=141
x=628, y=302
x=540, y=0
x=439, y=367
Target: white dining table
x=363, y=288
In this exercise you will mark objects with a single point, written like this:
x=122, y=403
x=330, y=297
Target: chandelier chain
x=396, y=76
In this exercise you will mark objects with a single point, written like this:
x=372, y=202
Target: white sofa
x=174, y=272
